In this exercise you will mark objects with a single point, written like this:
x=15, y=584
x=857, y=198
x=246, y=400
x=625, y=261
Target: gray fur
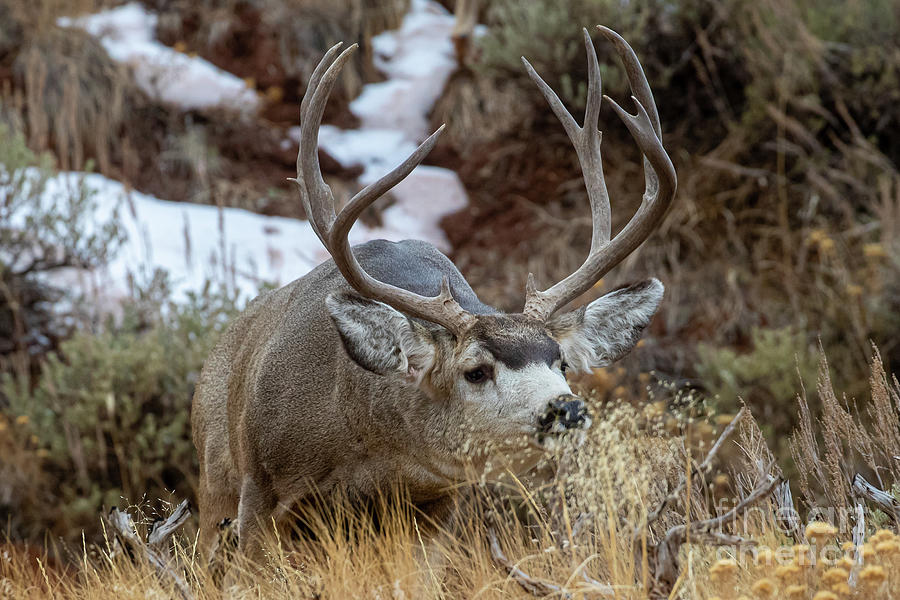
x=379, y=338
x=608, y=328
x=314, y=388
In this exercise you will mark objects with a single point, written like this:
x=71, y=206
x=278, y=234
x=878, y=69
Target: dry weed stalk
x=654, y=564
x=851, y=439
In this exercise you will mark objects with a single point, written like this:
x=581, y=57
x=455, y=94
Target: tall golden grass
x=563, y=529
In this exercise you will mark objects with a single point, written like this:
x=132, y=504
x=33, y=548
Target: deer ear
x=379, y=338
x=608, y=328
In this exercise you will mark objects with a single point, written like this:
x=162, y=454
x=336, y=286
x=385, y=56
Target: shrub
x=109, y=414
x=766, y=377
x=548, y=34
x=40, y=232
x=778, y=361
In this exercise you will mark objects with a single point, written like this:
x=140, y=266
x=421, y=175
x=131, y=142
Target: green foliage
x=110, y=412
x=863, y=23
x=779, y=362
x=768, y=377
x=548, y=34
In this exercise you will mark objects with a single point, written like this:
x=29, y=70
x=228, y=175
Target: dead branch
x=762, y=490
x=533, y=586
x=654, y=515
x=664, y=558
x=787, y=514
x=152, y=552
x=162, y=530
x=604, y=589
x=876, y=496
x=859, y=538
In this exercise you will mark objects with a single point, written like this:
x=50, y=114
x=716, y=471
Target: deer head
x=505, y=372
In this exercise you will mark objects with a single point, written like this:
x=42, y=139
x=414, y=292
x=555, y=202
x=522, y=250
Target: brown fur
x=281, y=411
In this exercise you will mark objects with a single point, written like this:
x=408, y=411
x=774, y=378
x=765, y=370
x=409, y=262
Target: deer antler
x=332, y=229
x=659, y=176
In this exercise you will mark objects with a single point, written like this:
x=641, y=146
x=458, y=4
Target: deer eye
x=478, y=374
x=564, y=366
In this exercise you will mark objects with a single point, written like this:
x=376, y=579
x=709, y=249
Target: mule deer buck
x=382, y=367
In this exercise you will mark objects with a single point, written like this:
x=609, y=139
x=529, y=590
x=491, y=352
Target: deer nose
x=565, y=412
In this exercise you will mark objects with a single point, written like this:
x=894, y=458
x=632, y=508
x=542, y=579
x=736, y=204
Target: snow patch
x=417, y=59
x=196, y=243
x=128, y=35
x=377, y=150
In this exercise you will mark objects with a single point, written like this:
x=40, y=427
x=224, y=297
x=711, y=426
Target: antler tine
x=332, y=229
x=316, y=77
x=586, y=140
x=598, y=196
x=637, y=79
x=311, y=86
x=366, y=196
x=316, y=196
x=659, y=174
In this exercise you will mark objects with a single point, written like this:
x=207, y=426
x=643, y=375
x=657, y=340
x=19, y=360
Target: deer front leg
x=255, y=511
x=434, y=531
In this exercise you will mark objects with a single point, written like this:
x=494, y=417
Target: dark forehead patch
x=515, y=342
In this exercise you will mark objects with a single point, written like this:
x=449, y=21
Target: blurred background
x=144, y=156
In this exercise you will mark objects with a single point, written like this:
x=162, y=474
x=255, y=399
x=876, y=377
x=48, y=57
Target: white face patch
x=515, y=399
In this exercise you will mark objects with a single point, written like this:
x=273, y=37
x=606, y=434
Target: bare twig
x=533, y=586
x=736, y=169
x=663, y=562
x=604, y=589
x=653, y=516
x=761, y=491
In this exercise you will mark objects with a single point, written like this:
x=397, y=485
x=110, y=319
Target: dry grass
x=618, y=473
x=567, y=524
x=68, y=93
x=856, y=436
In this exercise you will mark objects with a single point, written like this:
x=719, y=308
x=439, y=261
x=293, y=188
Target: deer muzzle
x=564, y=413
